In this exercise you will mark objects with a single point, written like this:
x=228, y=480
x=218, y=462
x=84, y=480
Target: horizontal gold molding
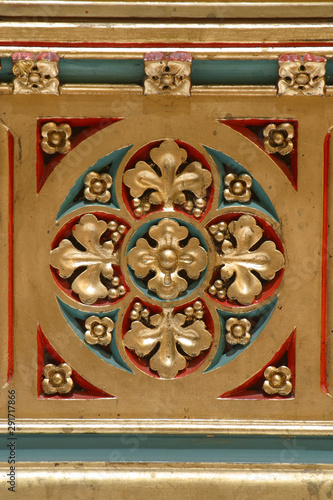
x=100, y=89
x=172, y=426
x=219, y=90
x=185, y=481
x=174, y=9
x=196, y=89
x=162, y=32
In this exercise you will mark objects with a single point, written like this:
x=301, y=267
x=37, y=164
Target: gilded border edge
x=168, y=426
x=53, y=480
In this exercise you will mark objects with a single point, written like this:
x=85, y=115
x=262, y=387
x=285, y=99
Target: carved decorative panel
x=167, y=252
x=165, y=225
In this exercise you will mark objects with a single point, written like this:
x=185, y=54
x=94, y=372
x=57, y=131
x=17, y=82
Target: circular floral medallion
x=176, y=257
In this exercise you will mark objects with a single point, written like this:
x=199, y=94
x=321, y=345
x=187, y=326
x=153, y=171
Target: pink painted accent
x=290, y=57
x=19, y=56
x=313, y=58
x=154, y=56
x=48, y=56
x=180, y=56
x=174, y=56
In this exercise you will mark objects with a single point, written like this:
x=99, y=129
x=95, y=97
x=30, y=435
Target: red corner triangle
x=248, y=127
x=82, y=388
x=252, y=388
x=82, y=129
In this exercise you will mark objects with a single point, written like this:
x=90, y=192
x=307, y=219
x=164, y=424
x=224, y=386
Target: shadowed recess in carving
x=76, y=319
x=107, y=165
x=259, y=199
x=258, y=320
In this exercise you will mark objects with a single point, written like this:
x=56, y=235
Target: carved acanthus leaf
x=168, y=332
x=97, y=258
x=241, y=262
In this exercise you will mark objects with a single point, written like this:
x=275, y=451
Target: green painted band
x=131, y=71
x=157, y=448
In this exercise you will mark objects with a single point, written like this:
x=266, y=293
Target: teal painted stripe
x=131, y=71
x=329, y=72
x=6, y=74
x=156, y=448
x=234, y=72
x=101, y=71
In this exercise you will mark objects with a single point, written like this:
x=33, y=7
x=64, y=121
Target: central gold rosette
x=168, y=258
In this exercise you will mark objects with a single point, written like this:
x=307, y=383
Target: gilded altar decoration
x=97, y=187
x=279, y=138
x=167, y=74
x=56, y=138
x=167, y=183
x=35, y=74
x=238, y=261
x=168, y=258
x=57, y=379
x=98, y=330
x=301, y=75
x=237, y=188
x=168, y=338
x=277, y=381
x=96, y=260
x=238, y=331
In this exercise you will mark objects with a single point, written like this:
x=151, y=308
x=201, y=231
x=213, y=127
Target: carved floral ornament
x=167, y=74
x=98, y=330
x=57, y=379
x=279, y=138
x=168, y=258
x=171, y=264
x=301, y=75
x=35, y=73
x=56, y=138
x=169, y=181
x=277, y=380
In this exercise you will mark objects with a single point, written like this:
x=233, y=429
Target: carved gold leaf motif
x=238, y=331
x=35, y=77
x=57, y=379
x=166, y=182
x=279, y=138
x=97, y=258
x=56, y=138
x=301, y=75
x=168, y=332
x=240, y=261
x=98, y=330
x=97, y=187
x=167, y=259
x=237, y=188
x=277, y=380
x=167, y=74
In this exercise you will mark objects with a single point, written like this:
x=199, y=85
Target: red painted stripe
x=10, y=257
x=162, y=44
x=323, y=353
